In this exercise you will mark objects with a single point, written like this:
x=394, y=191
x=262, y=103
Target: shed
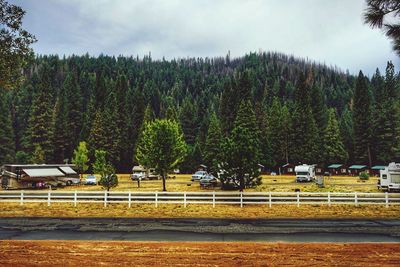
x=320, y=168
x=288, y=168
x=337, y=169
x=357, y=169
x=375, y=170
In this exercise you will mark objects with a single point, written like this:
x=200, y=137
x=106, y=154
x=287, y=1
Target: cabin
x=355, y=170
x=337, y=169
x=37, y=176
x=287, y=169
x=375, y=170
x=319, y=169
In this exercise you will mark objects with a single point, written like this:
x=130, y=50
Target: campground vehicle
x=389, y=178
x=141, y=173
x=305, y=173
x=197, y=176
x=209, y=181
x=91, y=180
x=32, y=176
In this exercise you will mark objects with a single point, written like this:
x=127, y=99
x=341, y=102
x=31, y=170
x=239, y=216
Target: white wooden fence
x=211, y=198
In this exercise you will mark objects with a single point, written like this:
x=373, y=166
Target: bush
x=363, y=176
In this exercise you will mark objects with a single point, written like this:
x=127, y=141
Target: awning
x=357, y=167
x=67, y=170
x=334, y=166
x=43, y=172
x=378, y=167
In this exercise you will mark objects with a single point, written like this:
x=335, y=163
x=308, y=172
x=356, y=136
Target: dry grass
x=282, y=183
x=197, y=211
x=117, y=253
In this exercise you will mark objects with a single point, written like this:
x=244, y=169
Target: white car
x=91, y=179
x=198, y=175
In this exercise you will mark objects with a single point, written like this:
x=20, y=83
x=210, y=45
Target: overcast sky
x=327, y=31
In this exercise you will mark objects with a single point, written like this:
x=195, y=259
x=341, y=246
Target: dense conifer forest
x=304, y=112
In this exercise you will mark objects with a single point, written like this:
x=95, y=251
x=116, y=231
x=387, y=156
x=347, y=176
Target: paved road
x=200, y=230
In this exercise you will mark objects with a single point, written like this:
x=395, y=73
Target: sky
x=326, y=31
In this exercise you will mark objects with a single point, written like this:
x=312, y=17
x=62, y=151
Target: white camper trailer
x=305, y=173
x=141, y=173
x=389, y=178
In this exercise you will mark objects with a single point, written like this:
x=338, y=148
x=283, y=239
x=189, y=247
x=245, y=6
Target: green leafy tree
x=212, y=147
x=334, y=151
x=385, y=15
x=362, y=121
x=81, y=158
x=108, y=181
x=101, y=166
x=14, y=45
x=161, y=146
x=241, y=151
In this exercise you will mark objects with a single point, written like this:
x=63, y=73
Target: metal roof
x=67, y=170
x=335, y=166
x=357, y=167
x=38, y=165
x=49, y=172
x=378, y=167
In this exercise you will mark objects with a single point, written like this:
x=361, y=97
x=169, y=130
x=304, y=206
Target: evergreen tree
x=38, y=156
x=241, y=151
x=362, y=122
x=319, y=111
x=188, y=121
x=212, y=147
x=227, y=108
x=304, y=138
x=334, y=151
x=347, y=132
x=7, y=145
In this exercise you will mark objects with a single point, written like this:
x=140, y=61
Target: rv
x=141, y=173
x=389, y=178
x=305, y=173
x=37, y=176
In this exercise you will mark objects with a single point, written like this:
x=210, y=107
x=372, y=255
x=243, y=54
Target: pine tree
x=7, y=145
x=319, y=111
x=188, y=121
x=212, y=147
x=347, y=132
x=241, y=151
x=227, y=108
x=362, y=122
x=304, y=138
x=38, y=156
x=334, y=151
x=40, y=120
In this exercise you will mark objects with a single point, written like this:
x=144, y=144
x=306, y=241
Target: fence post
x=270, y=200
x=386, y=199
x=184, y=199
x=129, y=199
x=22, y=198
x=298, y=199
x=214, y=199
x=48, y=198
x=156, y=199
x=355, y=198
x=241, y=199
x=329, y=199
x=75, y=198
x=105, y=198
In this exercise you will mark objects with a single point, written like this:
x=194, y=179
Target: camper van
x=305, y=173
x=141, y=173
x=389, y=178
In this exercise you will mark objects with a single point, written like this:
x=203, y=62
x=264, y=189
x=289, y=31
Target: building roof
x=378, y=167
x=49, y=172
x=335, y=166
x=67, y=170
x=357, y=167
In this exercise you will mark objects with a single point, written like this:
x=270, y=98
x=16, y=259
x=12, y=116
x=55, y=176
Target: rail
x=211, y=198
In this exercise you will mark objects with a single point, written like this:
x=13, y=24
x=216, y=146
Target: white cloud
x=325, y=31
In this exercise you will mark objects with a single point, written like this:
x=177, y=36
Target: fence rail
x=211, y=198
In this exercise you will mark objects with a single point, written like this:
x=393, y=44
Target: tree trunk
x=241, y=183
x=163, y=181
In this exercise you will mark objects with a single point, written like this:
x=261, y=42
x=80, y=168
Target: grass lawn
x=182, y=183
x=127, y=253
x=197, y=211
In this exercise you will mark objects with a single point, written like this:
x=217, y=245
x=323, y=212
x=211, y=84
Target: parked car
x=198, y=175
x=91, y=180
x=209, y=181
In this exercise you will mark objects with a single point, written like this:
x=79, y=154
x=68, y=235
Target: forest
x=305, y=112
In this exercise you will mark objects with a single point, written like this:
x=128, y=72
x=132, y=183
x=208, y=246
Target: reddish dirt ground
x=126, y=253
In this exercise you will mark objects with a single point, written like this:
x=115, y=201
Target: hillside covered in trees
x=305, y=112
